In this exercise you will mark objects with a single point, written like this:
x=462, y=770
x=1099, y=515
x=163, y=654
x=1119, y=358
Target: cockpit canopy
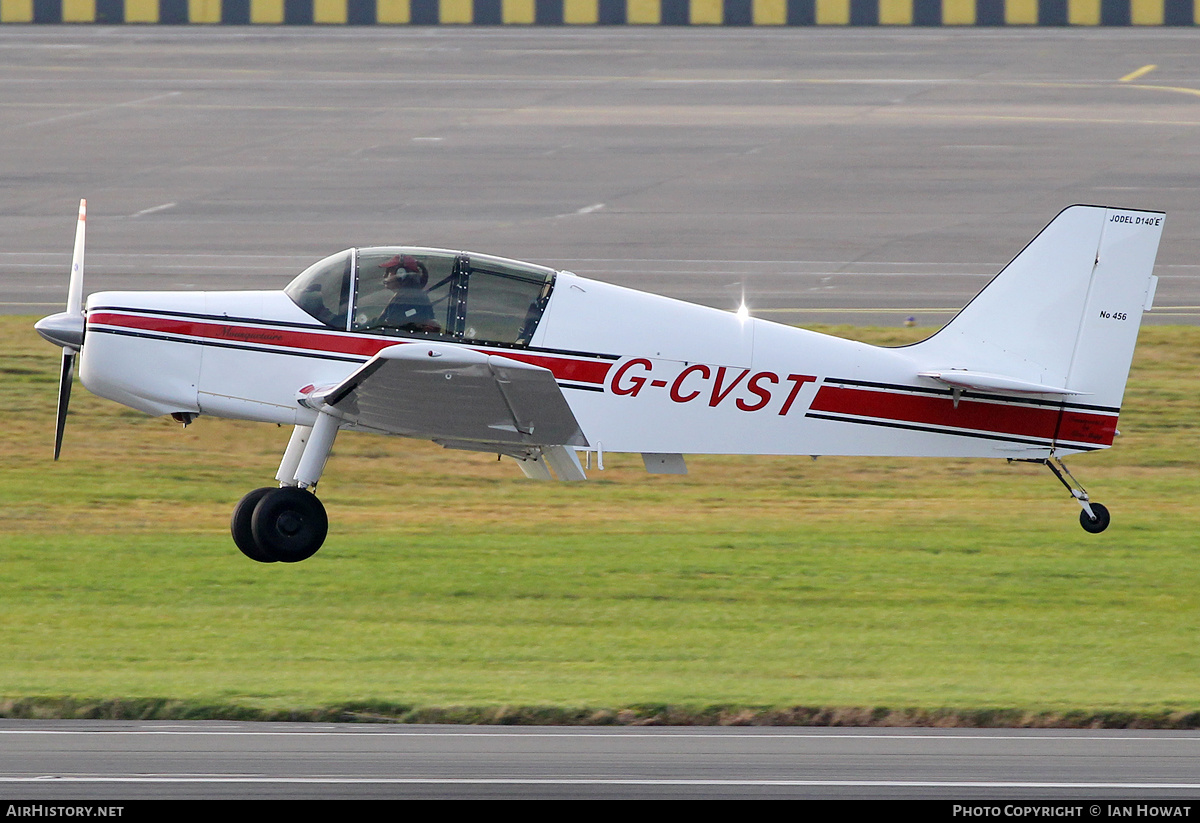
x=427, y=293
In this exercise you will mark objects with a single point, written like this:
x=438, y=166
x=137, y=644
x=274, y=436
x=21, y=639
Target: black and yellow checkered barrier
x=614, y=12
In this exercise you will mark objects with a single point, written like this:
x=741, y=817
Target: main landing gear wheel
x=289, y=524
x=239, y=525
x=1097, y=524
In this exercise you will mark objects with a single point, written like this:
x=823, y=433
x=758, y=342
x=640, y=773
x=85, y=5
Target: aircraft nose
x=63, y=329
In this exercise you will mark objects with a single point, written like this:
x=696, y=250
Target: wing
x=450, y=393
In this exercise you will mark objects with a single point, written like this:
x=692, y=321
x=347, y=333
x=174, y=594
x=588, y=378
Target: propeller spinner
x=66, y=329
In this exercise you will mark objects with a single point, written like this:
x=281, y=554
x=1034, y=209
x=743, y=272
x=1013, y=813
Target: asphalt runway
x=114, y=761
x=862, y=175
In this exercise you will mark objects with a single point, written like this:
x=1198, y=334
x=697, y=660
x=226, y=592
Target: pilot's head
x=403, y=271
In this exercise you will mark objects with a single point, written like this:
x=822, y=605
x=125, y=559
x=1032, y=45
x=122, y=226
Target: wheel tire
x=239, y=525
x=289, y=524
x=1099, y=524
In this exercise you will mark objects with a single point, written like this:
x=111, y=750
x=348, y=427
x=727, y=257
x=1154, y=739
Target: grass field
x=751, y=590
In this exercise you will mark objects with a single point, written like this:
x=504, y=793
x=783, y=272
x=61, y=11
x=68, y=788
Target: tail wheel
x=289, y=524
x=1097, y=524
x=239, y=525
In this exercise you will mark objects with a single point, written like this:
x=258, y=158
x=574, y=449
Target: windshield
x=323, y=289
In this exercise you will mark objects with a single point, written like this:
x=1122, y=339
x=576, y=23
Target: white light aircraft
x=488, y=354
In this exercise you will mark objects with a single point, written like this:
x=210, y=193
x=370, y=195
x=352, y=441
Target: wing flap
x=454, y=393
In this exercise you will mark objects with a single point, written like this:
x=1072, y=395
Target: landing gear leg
x=288, y=524
x=1094, y=518
x=316, y=451
x=291, y=456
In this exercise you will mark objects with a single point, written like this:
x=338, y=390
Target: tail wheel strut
x=1094, y=518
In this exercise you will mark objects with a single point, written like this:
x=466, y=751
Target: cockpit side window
x=504, y=302
x=323, y=289
x=405, y=291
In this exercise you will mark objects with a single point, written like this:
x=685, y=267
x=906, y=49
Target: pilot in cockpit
x=410, y=308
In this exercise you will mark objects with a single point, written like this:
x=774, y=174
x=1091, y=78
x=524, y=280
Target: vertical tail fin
x=1064, y=314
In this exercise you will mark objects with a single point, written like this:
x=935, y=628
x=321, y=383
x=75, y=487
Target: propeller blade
x=66, y=329
x=75, y=290
x=64, y=397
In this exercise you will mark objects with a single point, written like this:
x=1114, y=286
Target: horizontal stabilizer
x=966, y=379
x=453, y=393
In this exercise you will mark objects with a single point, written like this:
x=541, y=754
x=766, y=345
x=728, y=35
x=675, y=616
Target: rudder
x=1121, y=288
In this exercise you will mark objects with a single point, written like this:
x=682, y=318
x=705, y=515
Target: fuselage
x=641, y=373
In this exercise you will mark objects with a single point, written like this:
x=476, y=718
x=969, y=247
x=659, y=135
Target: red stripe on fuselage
x=1048, y=423
x=563, y=368
x=238, y=333
x=578, y=371
x=1080, y=427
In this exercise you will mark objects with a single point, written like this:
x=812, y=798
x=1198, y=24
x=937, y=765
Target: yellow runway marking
x=1179, y=89
x=1134, y=75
